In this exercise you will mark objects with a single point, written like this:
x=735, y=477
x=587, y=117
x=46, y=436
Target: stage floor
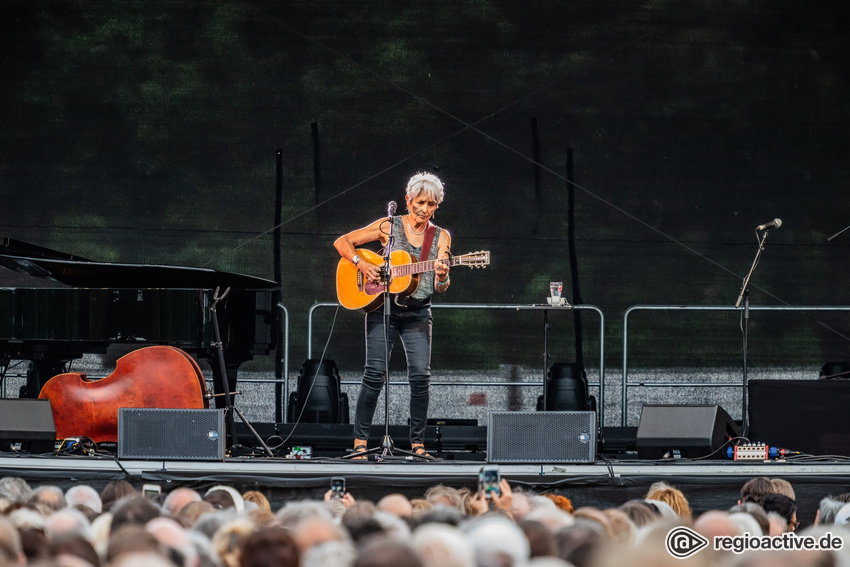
x=606, y=483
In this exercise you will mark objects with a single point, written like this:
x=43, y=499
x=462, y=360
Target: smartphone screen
x=488, y=481
x=151, y=490
x=337, y=487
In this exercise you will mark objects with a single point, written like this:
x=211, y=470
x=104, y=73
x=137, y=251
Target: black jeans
x=414, y=328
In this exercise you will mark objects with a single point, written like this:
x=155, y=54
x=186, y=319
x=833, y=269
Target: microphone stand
x=744, y=297
x=228, y=399
x=842, y=231
x=387, y=447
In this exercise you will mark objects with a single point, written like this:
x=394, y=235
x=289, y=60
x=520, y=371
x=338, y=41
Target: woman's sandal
x=361, y=448
x=419, y=450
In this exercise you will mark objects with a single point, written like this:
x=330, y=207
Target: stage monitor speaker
x=541, y=437
x=683, y=430
x=28, y=422
x=319, y=398
x=175, y=434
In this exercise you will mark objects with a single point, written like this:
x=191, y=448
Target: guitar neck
x=420, y=267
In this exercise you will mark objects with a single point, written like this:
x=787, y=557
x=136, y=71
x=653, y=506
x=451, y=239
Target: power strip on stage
x=758, y=452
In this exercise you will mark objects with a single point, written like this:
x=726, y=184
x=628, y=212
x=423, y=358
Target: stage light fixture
x=319, y=398
x=566, y=389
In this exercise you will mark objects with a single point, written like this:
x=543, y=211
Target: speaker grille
x=541, y=437
x=178, y=434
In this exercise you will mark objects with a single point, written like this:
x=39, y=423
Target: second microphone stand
x=228, y=399
x=744, y=297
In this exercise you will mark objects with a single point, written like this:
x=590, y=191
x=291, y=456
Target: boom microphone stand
x=387, y=448
x=744, y=296
x=228, y=399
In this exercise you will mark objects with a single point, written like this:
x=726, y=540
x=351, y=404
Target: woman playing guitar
x=410, y=316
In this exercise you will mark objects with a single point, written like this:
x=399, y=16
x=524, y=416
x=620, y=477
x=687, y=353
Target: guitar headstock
x=478, y=259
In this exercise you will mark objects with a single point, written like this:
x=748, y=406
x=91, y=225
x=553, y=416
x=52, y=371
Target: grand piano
x=103, y=304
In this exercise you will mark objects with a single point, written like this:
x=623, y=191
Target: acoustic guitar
x=354, y=292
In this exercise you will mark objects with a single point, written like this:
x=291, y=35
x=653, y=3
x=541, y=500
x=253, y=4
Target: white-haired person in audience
x=177, y=498
x=827, y=510
x=441, y=545
x=84, y=495
x=497, y=540
x=68, y=522
x=14, y=489
x=48, y=497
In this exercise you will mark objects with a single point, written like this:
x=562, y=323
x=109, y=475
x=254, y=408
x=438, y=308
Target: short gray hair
x=427, y=183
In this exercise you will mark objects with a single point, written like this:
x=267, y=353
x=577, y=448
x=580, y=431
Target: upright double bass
x=150, y=377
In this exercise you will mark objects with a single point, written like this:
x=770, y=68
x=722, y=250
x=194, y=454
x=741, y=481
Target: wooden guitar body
x=354, y=292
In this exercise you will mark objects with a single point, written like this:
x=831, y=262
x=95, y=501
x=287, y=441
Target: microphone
x=775, y=223
x=391, y=209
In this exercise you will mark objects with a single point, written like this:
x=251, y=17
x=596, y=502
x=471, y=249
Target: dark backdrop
x=146, y=132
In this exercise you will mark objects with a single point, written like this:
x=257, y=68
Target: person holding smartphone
x=486, y=500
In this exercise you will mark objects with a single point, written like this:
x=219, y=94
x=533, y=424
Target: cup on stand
x=555, y=289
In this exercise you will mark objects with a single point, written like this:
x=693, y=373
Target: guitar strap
x=427, y=240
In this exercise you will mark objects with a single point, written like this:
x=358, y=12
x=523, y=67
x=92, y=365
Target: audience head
x=74, y=547
x=84, y=495
x=784, y=506
x=115, y=491
x=497, y=540
x=223, y=497
x=755, y=490
x=297, y=511
x=133, y=510
x=396, y=504
x=382, y=551
x=441, y=495
x=191, y=512
x=827, y=510
x=14, y=489
x=315, y=530
x=622, y=528
x=562, y=502
x=756, y=512
x=258, y=499
x=842, y=517
x=68, y=522
x=441, y=545
x=716, y=523
x=541, y=540
x=673, y=497
x=271, y=545
x=227, y=539
x=640, y=512
x=174, y=540
x=131, y=539
x=782, y=486
x=177, y=498
x=48, y=497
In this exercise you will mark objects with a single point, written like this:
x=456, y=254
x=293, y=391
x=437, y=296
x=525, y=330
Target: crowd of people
x=447, y=527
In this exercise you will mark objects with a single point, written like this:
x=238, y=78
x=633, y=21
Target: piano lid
x=75, y=271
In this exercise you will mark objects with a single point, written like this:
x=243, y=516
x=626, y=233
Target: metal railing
x=494, y=306
x=285, y=378
x=630, y=310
